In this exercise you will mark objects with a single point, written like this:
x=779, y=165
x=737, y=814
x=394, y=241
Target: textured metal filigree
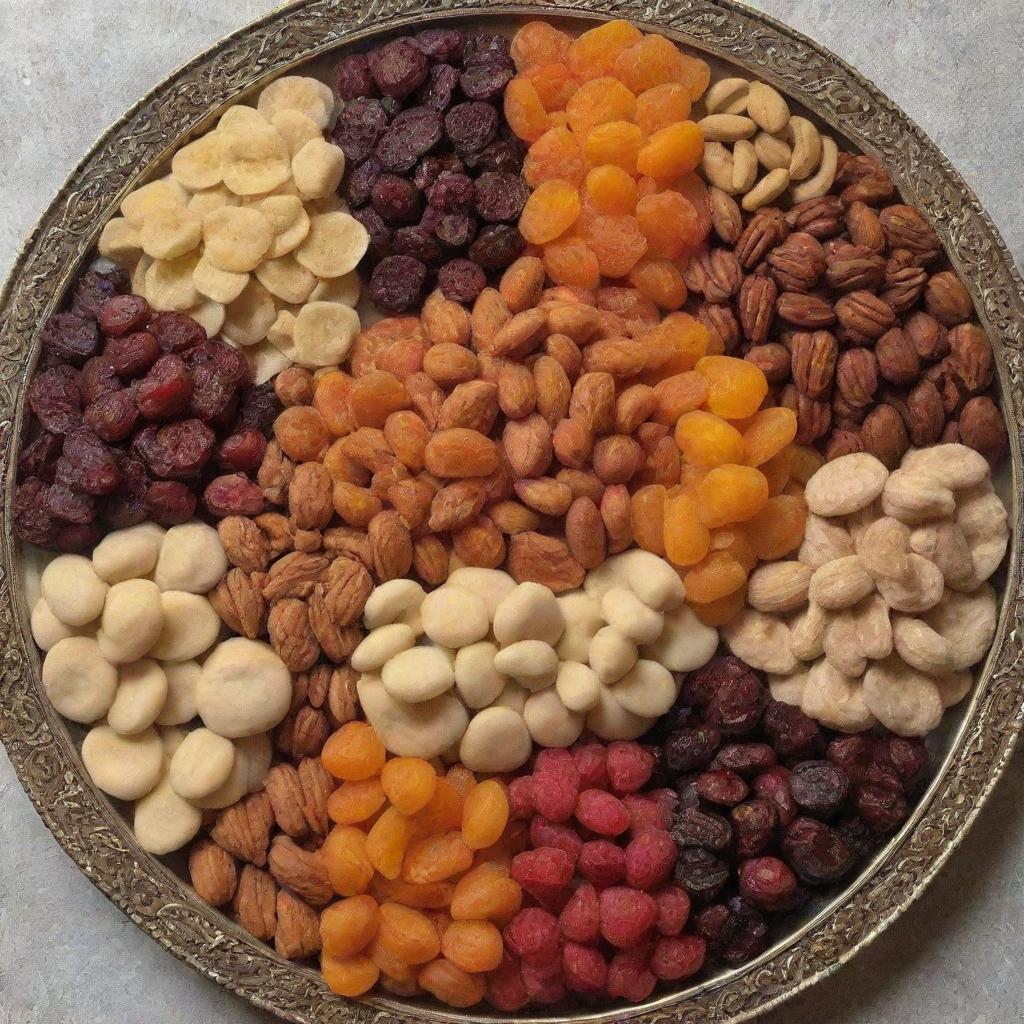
x=98, y=838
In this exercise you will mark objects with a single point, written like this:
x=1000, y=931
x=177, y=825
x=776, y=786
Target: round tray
x=977, y=738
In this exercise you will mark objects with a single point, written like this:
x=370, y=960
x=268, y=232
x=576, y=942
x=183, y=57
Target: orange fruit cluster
x=612, y=155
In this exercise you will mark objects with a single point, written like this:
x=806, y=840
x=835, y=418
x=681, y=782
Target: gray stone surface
x=66, y=71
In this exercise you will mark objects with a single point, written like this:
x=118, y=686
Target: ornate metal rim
x=95, y=835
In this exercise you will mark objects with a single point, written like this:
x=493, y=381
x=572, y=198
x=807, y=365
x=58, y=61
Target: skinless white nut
x=631, y=617
x=381, y=645
x=244, y=688
x=120, y=241
x=139, y=275
x=762, y=641
x=772, y=152
x=281, y=334
x=289, y=222
x=954, y=687
x=141, y=695
x=198, y=165
x=191, y=626
x=530, y=612
x=286, y=279
x=953, y=465
x=612, y=572
x=806, y=147
x=611, y=721
x=919, y=591
x=944, y=544
x=78, y=680
x=346, y=290
x=391, y=600
x=170, y=232
x=921, y=647
x=137, y=205
x=859, y=522
x=845, y=485
x=72, y=589
x=550, y=722
x=779, y=586
x=726, y=127
x=295, y=128
x=807, y=633
x=874, y=630
x=512, y=696
x=425, y=730
x=418, y=674
x=296, y=92
x=913, y=496
x=884, y=547
x=255, y=162
x=164, y=822
x=491, y=585
x=840, y=584
x=454, y=617
x=412, y=618
x=182, y=680
x=685, y=642
x=842, y=649
x=647, y=689
x=201, y=765
x=578, y=686
x=982, y=517
x=47, y=629
x=169, y=284
x=128, y=554
x=968, y=621
x=744, y=165
x=250, y=316
x=717, y=165
x=191, y=559
x=479, y=683
x=788, y=689
x=835, y=700
x=214, y=198
x=821, y=181
x=768, y=189
x=767, y=107
x=172, y=738
x=655, y=582
x=124, y=767
x=220, y=285
x=611, y=654
x=236, y=238
x=904, y=700
x=496, y=740
x=583, y=619
x=334, y=246
x=318, y=168
x=824, y=541
x=253, y=755
x=727, y=96
x=324, y=333
x=532, y=662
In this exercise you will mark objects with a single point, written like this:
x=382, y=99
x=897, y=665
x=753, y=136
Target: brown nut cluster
x=843, y=304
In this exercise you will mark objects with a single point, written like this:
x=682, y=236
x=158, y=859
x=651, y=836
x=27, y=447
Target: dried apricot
x=556, y=154
x=671, y=151
x=375, y=396
x=524, y=110
x=611, y=189
x=550, y=211
x=652, y=61
x=718, y=613
x=443, y=812
x=614, y=142
x=778, y=528
x=407, y=933
x=353, y=802
x=594, y=52
x=736, y=387
x=460, y=452
x=731, y=494
x=695, y=75
x=570, y=262
x=714, y=577
x=348, y=926
x=707, y=440
x=693, y=189
x=734, y=540
x=429, y=896
x=349, y=976
x=390, y=965
x=686, y=537
x=648, y=508
x=452, y=985
x=675, y=345
x=615, y=240
x=777, y=469
x=554, y=84
x=408, y=782
x=669, y=222
x=661, y=106
x=538, y=43
x=598, y=101
x=475, y=946
x=348, y=866
x=331, y=400
x=484, y=815
x=435, y=858
x=354, y=752
x=659, y=279
x=407, y=436
x=768, y=433
x=387, y=841
x=678, y=394
x=486, y=893
x=302, y=433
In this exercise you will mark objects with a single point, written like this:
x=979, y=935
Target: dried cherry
x=39, y=457
x=233, y=495
x=721, y=787
x=413, y=133
x=166, y=390
x=753, y=824
x=126, y=506
x=398, y=68
x=31, y=517
x=112, y=417
x=430, y=168
x=360, y=181
x=461, y=280
x=54, y=397
x=132, y=354
x=819, y=787
x=397, y=283
x=439, y=88
x=736, y=704
x=500, y=196
x=358, y=128
x=745, y=758
x=700, y=872
x=882, y=808
x=452, y=192
x=176, y=332
x=98, y=377
x=441, y=44
x=243, y=451
x=88, y=465
x=418, y=242
x=70, y=338
x=170, y=503
x=69, y=506
x=259, y=407
x=94, y=287
x=817, y=853
x=379, y=232
x=471, y=126
x=396, y=198
x=497, y=246
x=123, y=314
x=188, y=444
x=354, y=79
x=794, y=735
x=751, y=935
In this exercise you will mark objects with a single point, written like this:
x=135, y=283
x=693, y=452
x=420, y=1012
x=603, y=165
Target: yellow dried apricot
x=435, y=858
x=302, y=433
x=348, y=866
x=349, y=976
x=387, y=842
x=651, y=62
x=671, y=151
x=731, y=494
x=660, y=280
x=375, y=396
x=486, y=893
x=594, y=52
x=354, y=752
x=767, y=434
x=777, y=470
x=475, y=946
x=736, y=387
x=407, y=933
x=716, y=576
x=353, y=802
x=348, y=926
x=598, y=101
x=675, y=395
x=718, y=613
x=611, y=189
x=735, y=542
x=614, y=142
x=778, y=528
x=538, y=43
x=452, y=985
x=686, y=537
x=550, y=211
x=484, y=815
x=524, y=110
x=443, y=812
x=461, y=778
x=669, y=222
x=331, y=400
x=661, y=106
x=428, y=896
x=570, y=262
x=557, y=154
x=708, y=440
x=616, y=241
x=674, y=346
x=554, y=84
x=408, y=782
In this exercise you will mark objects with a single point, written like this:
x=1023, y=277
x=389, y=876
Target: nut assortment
x=415, y=641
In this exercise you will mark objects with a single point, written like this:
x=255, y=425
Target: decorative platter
x=969, y=750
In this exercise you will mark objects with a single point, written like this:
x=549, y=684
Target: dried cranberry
x=217, y=371
x=359, y=127
x=745, y=758
x=242, y=451
x=170, y=503
x=627, y=916
x=123, y=314
x=862, y=840
x=132, y=354
x=188, y=444
x=88, y=465
x=439, y=88
x=54, y=398
x=819, y=787
x=793, y=735
x=485, y=77
x=716, y=925
x=112, y=417
x=379, y=232
x=73, y=538
x=907, y=756
x=700, y=872
x=397, y=283
x=461, y=280
x=700, y=686
x=650, y=858
x=233, y=495
x=70, y=506
x=542, y=873
x=751, y=936
x=398, y=68
x=471, y=126
x=418, y=242
x=443, y=44
x=93, y=288
x=753, y=824
x=126, y=506
x=688, y=749
x=482, y=43
x=816, y=852
x=854, y=754
x=260, y=407
x=556, y=784
x=500, y=155
x=70, y=338
x=396, y=198
x=767, y=882
x=410, y=135
x=166, y=390
x=97, y=378
x=497, y=247
x=456, y=230
x=883, y=808
x=176, y=332
x=773, y=786
x=39, y=457
x=452, y=193
x=736, y=705
x=31, y=516
x=500, y=196
x=360, y=181
x=601, y=813
x=721, y=787
x=430, y=168
x=693, y=827
x=353, y=79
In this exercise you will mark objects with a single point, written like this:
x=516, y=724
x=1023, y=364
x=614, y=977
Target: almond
x=255, y=902
x=244, y=543
x=553, y=389
x=513, y=517
x=391, y=546
x=298, y=928
x=567, y=352
x=343, y=540
x=633, y=406
x=528, y=445
x=460, y=453
x=621, y=357
x=522, y=283
x=444, y=322
x=593, y=401
x=301, y=871
x=517, y=391
x=448, y=364
x=532, y=557
x=407, y=436
x=582, y=484
x=584, y=533
x=426, y=397
x=243, y=829
x=545, y=495
x=573, y=443
x=473, y=405
x=617, y=458
x=616, y=514
x=213, y=872
x=490, y=314
x=480, y=544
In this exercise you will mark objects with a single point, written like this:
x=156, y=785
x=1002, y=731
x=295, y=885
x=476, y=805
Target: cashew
x=532, y=663
x=647, y=689
x=921, y=647
x=968, y=622
x=772, y=152
x=717, y=165
x=611, y=721
x=654, y=581
x=726, y=127
x=857, y=522
x=578, y=686
x=492, y=585
x=583, y=618
x=479, y=683
x=454, y=617
x=807, y=632
x=982, y=517
x=953, y=465
x=920, y=590
x=845, y=485
x=624, y=611
x=904, y=700
x=944, y=544
x=125, y=767
x=550, y=722
x=744, y=166
x=836, y=700
x=388, y=602
x=685, y=642
x=824, y=541
x=788, y=689
x=806, y=147
x=418, y=674
x=73, y=590
x=611, y=654
x=78, y=680
x=779, y=586
x=244, y=688
x=191, y=559
x=884, y=548
x=873, y=628
x=954, y=687
x=767, y=107
x=912, y=497
x=381, y=645
x=141, y=695
x=762, y=641
x=496, y=740
x=840, y=583
x=821, y=181
x=767, y=190
x=727, y=96
x=842, y=649
x=530, y=612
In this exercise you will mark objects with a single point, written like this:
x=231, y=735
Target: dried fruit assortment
x=467, y=730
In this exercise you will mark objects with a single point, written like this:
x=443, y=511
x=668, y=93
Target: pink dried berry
x=626, y=915
x=629, y=977
x=546, y=834
x=767, y=882
x=650, y=858
x=645, y=814
x=591, y=764
x=532, y=933
x=556, y=784
x=543, y=980
x=675, y=958
x=602, y=813
x=542, y=873
x=602, y=862
x=629, y=766
x=505, y=988
x=584, y=969
x=580, y=920
x=673, y=909
x=520, y=797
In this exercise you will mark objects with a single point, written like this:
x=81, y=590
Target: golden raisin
x=408, y=783
x=387, y=841
x=550, y=211
x=731, y=494
x=648, y=508
x=354, y=752
x=736, y=387
x=768, y=433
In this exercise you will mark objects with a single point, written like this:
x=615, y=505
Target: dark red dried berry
x=379, y=232
x=418, y=242
x=188, y=444
x=544, y=833
x=112, y=417
x=452, y=193
x=481, y=44
x=751, y=935
x=883, y=808
x=816, y=852
x=602, y=863
x=396, y=198
x=132, y=354
x=170, y=503
x=907, y=756
x=360, y=181
x=233, y=495
x=97, y=378
x=461, y=280
x=397, y=283
x=500, y=155
x=242, y=451
x=260, y=407
x=39, y=457
x=736, y=705
x=700, y=872
x=629, y=766
x=703, y=683
x=74, y=538
x=217, y=371
x=398, y=68
x=689, y=749
x=693, y=827
x=359, y=127
x=123, y=314
x=591, y=763
x=410, y=135
x=88, y=465
x=794, y=736
x=70, y=338
x=485, y=77
x=500, y=196
x=70, y=506
x=456, y=230
x=94, y=287
x=745, y=759
x=439, y=88
x=176, y=332
x=753, y=825
x=31, y=516
x=430, y=168
x=716, y=925
x=353, y=79
x=54, y=398
x=819, y=787
x=471, y=126
x=721, y=787
x=442, y=44
x=498, y=246
x=166, y=390
x=126, y=506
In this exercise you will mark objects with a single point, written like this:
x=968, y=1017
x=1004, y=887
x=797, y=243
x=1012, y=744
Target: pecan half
x=317, y=786
x=864, y=178
x=946, y=298
x=337, y=641
x=904, y=280
x=857, y=376
x=298, y=928
x=721, y=324
x=767, y=228
x=813, y=417
x=981, y=428
x=808, y=311
x=716, y=273
x=772, y=359
x=814, y=356
x=291, y=634
x=243, y=829
x=855, y=267
x=821, y=217
x=906, y=228
x=757, y=307
x=302, y=871
x=798, y=262
x=284, y=791
x=213, y=872
x=255, y=902
x=864, y=316
x=970, y=355
x=925, y=414
x=390, y=545
x=275, y=473
x=309, y=496
x=927, y=335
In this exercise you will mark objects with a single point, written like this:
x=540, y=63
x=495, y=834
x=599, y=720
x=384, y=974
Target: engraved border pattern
x=100, y=841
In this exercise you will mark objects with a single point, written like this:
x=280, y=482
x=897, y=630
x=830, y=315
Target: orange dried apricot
x=475, y=946
x=598, y=101
x=678, y=394
x=390, y=965
x=550, y=211
x=570, y=262
x=435, y=858
x=594, y=52
x=707, y=440
x=736, y=387
x=484, y=815
x=695, y=75
x=693, y=189
x=767, y=434
x=675, y=345
x=375, y=396
x=556, y=154
x=777, y=470
x=348, y=926
x=731, y=494
x=714, y=577
x=652, y=61
x=353, y=802
x=671, y=151
x=718, y=613
x=554, y=84
x=349, y=976
x=538, y=43
x=407, y=933
x=486, y=893
x=690, y=476
x=659, y=279
x=348, y=866
x=669, y=223
x=614, y=142
x=354, y=752
x=778, y=528
x=407, y=435
x=331, y=400
x=443, y=812
x=686, y=537
x=302, y=433
x=648, y=508
x=430, y=896
x=524, y=110
x=611, y=189
x=735, y=541
x=452, y=985
x=615, y=240
x=408, y=783
x=387, y=841
x=661, y=106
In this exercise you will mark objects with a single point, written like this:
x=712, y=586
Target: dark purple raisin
x=716, y=925
x=442, y=44
x=217, y=371
x=773, y=786
x=431, y=218
x=700, y=686
x=398, y=68
x=32, y=519
x=751, y=936
x=452, y=193
x=485, y=77
x=397, y=283
x=112, y=417
x=354, y=79
x=166, y=390
x=721, y=787
x=693, y=827
x=233, y=495
x=471, y=126
x=500, y=196
x=413, y=133
x=747, y=759
x=439, y=88
x=123, y=314
x=430, y=168
x=700, y=872
x=819, y=787
x=500, y=155
x=456, y=230
x=132, y=354
x=817, y=853
x=356, y=189
x=69, y=506
x=242, y=451
x=753, y=825
x=126, y=506
x=396, y=199
x=54, y=398
x=88, y=465
x=689, y=749
x=74, y=538
x=882, y=808
x=170, y=503
x=736, y=704
x=862, y=840
x=189, y=445
x=358, y=128
x=498, y=246
x=94, y=287
x=794, y=736
x=461, y=280
x=97, y=378
x=147, y=448
x=39, y=457
x=482, y=43
x=379, y=232
x=260, y=407
x=176, y=332
x=70, y=338
x=418, y=242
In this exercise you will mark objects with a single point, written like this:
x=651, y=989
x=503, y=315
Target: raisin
x=112, y=416
x=233, y=495
x=862, y=840
x=430, y=168
x=455, y=229
x=882, y=808
x=716, y=925
x=698, y=828
x=170, y=503
x=39, y=457
x=260, y=406
x=500, y=196
x=131, y=355
x=773, y=786
x=418, y=242
x=87, y=464
x=737, y=704
x=443, y=44
x=819, y=787
x=482, y=43
x=410, y=135
x=688, y=749
x=721, y=787
x=854, y=754
x=751, y=935
x=65, y=504
x=461, y=280
x=147, y=448
x=242, y=451
x=452, y=193
x=176, y=332
x=700, y=872
x=701, y=685
x=379, y=232
x=396, y=198
x=360, y=181
x=93, y=288
x=397, y=283
x=471, y=126
x=498, y=246
x=485, y=76
x=398, y=68
x=907, y=756
x=753, y=824
x=166, y=390
x=439, y=88
x=793, y=735
x=123, y=314
x=126, y=506
x=70, y=338
x=54, y=398
x=745, y=758
x=217, y=371
x=97, y=378
x=189, y=444
x=32, y=519
x=72, y=538
x=817, y=853
x=354, y=79
x=501, y=155
x=359, y=127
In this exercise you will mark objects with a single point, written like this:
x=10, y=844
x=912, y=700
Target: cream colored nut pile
x=500, y=666
x=755, y=148
x=887, y=606
x=122, y=633
x=247, y=234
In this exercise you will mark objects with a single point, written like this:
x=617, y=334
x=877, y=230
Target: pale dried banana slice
x=198, y=165
x=328, y=204
x=139, y=275
x=169, y=284
x=282, y=334
x=295, y=128
x=288, y=220
x=120, y=241
x=137, y=205
x=250, y=316
x=255, y=161
x=295, y=92
x=241, y=118
x=266, y=361
x=324, y=332
x=236, y=238
x=209, y=199
x=210, y=314
x=344, y=289
x=318, y=168
x=286, y=278
x=335, y=244
x=222, y=286
x=170, y=231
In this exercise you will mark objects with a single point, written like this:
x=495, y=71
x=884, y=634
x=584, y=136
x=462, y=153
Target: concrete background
x=67, y=70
